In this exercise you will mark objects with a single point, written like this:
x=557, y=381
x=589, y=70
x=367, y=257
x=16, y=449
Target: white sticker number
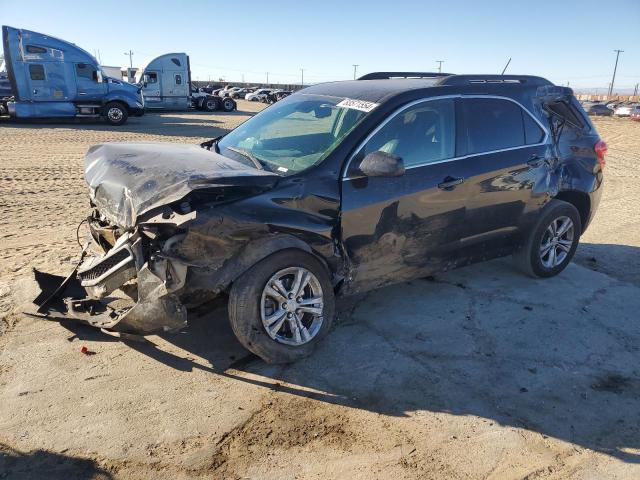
x=357, y=104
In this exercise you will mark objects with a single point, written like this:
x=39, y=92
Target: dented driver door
x=398, y=228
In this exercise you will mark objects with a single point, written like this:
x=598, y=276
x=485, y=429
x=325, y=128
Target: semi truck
x=45, y=77
x=166, y=85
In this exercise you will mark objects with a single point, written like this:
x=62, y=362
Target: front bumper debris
x=123, y=291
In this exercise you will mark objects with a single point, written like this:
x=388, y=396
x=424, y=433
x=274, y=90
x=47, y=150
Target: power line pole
x=267, y=78
x=302, y=79
x=618, y=52
x=130, y=54
x=439, y=62
x=635, y=90
x=355, y=69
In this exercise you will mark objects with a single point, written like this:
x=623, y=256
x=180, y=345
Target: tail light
x=601, y=150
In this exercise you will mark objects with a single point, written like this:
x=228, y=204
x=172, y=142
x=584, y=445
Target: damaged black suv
x=339, y=188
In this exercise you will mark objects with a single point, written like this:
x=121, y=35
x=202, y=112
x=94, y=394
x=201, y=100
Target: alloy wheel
x=557, y=241
x=114, y=114
x=291, y=306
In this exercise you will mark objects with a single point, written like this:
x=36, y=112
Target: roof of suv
x=382, y=86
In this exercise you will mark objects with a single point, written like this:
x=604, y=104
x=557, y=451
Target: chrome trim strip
x=422, y=100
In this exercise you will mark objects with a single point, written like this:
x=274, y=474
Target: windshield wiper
x=247, y=154
x=212, y=143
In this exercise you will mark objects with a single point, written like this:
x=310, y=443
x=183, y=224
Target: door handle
x=82, y=93
x=449, y=183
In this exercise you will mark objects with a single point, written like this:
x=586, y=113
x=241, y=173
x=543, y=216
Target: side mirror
x=382, y=164
x=144, y=84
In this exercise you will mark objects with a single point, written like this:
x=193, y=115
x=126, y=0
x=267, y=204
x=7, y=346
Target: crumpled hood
x=128, y=179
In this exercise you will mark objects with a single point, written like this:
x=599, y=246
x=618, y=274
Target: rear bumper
x=123, y=291
x=594, y=201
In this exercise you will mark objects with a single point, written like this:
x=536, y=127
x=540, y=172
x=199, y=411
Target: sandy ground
x=479, y=373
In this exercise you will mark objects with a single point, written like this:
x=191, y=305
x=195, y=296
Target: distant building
x=114, y=72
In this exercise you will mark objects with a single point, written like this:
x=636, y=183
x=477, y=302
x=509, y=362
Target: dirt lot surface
x=479, y=373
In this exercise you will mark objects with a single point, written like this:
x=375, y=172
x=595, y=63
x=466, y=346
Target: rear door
x=506, y=165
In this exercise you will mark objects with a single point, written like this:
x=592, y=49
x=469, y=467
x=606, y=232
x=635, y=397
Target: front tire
x=283, y=306
x=551, y=242
x=115, y=113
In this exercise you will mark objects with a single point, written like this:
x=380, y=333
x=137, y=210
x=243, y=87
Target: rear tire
x=551, y=242
x=115, y=113
x=254, y=305
x=210, y=104
x=228, y=105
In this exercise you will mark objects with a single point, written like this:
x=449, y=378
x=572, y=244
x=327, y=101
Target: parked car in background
x=623, y=110
x=275, y=96
x=347, y=187
x=207, y=89
x=635, y=113
x=599, y=109
x=258, y=95
x=241, y=92
x=228, y=91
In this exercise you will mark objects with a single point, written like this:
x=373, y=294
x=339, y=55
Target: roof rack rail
x=390, y=75
x=459, y=80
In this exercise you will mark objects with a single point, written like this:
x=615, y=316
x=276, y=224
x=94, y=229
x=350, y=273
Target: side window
x=424, y=133
x=532, y=132
x=491, y=124
x=36, y=71
x=34, y=49
x=151, y=77
x=176, y=61
x=178, y=80
x=86, y=71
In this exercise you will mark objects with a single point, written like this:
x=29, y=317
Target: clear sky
x=565, y=41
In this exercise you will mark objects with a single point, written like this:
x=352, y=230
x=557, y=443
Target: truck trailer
x=166, y=85
x=45, y=77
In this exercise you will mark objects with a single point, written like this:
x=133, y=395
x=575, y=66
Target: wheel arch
x=116, y=100
x=581, y=201
x=221, y=279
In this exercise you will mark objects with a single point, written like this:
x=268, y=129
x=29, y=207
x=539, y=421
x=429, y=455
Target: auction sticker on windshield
x=357, y=105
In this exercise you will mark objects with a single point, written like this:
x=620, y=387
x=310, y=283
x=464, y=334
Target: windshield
x=293, y=134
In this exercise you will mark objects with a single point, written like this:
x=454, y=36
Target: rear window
x=568, y=112
x=532, y=132
x=36, y=72
x=491, y=124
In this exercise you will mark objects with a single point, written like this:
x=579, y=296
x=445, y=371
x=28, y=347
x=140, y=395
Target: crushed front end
x=133, y=269
x=131, y=280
